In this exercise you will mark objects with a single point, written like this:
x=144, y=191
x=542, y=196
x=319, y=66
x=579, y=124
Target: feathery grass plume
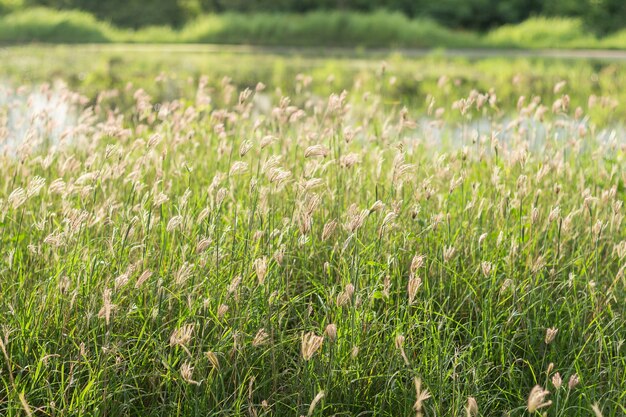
x=550, y=335
x=486, y=267
x=311, y=343
x=260, y=338
x=316, y=150
x=203, y=215
x=331, y=332
x=107, y=306
x=238, y=167
x=17, y=198
x=212, y=357
x=349, y=160
x=234, y=284
x=536, y=399
x=221, y=311
x=34, y=186
x=557, y=381
x=448, y=253
x=377, y=206
x=121, y=280
x=573, y=381
x=203, y=244
x=186, y=372
x=421, y=395
x=345, y=296
x=399, y=342
x=182, y=336
x=471, y=409
x=174, y=223
x=145, y=275
x=416, y=263
x=260, y=268
x=355, y=219
x=354, y=352
x=183, y=273
x=596, y=410
x=329, y=229
x=316, y=400
x=414, y=284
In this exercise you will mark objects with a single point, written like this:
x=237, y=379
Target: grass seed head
x=311, y=343
x=536, y=399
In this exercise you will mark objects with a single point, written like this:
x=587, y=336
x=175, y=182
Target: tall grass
x=317, y=256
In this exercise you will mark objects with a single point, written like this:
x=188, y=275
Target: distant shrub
x=541, y=32
x=9, y=6
x=45, y=25
x=377, y=29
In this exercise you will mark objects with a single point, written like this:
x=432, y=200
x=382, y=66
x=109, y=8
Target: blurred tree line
x=602, y=16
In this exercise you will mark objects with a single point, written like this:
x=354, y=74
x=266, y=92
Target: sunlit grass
x=335, y=255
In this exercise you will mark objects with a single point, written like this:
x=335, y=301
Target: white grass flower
x=311, y=343
x=536, y=399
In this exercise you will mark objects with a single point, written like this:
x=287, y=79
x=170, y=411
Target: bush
x=377, y=29
x=45, y=25
x=543, y=32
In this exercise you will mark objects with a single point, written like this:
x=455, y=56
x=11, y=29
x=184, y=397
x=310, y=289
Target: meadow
x=301, y=236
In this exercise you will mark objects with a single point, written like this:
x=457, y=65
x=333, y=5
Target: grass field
x=205, y=246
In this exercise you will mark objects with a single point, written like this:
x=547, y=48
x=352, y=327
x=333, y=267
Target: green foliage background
x=600, y=16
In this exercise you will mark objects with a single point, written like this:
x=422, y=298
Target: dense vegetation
x=320, y=28
x=272, y=250
x=600, y=15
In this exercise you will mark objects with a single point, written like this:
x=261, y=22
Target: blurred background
x=368, y=23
